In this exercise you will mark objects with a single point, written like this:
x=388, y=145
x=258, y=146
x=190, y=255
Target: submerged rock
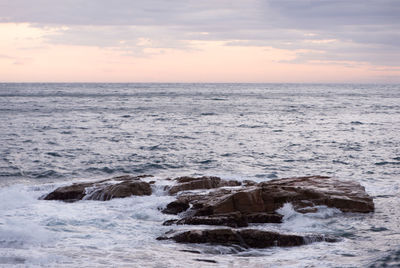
x=244, y=237
x=117, y=187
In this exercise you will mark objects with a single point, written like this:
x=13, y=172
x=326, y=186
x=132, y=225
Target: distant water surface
x=53, y=134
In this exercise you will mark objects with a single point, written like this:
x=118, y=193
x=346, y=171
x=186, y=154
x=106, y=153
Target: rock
x=235, y=219
x=249, y=183
x=246, y=200
x=303, y=192
x=206, y=260
x=233, y=207
x=169, y=222
x=232, y=220
x=264, y=218
x=70, y=193
x=176, y=207
x=117, y=187
x=245, y=238
x=258, y=203
x=120, y=190
x=206, y=182
x=190, y=251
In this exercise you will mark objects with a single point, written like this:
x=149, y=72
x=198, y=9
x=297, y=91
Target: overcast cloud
x=334, y=30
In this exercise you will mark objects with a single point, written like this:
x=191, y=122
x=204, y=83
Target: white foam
x=14, y=197
x=309, y=222
x=53, y=233
x=22, y=232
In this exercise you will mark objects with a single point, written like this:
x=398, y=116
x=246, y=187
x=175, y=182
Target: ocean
x=53, y=134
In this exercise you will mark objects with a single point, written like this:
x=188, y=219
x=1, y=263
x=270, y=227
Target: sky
x=272, y=41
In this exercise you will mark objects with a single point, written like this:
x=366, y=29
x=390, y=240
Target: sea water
x=56, y=134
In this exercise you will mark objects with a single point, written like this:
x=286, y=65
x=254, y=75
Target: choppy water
x=53, y=134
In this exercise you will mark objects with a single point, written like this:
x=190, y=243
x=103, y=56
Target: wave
x=311, y=222
x=45, y=174
x=383, y=163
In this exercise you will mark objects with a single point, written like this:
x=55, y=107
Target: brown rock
x=258, y=203
x=264, y=217
x=223, y=201
x=176, y=207
x=249, y=183
x=245, y=238
x=206, y=182
x=302, y=192
x=246, y=201
x=117, y=187
x=70, y=193
x=232, y=220
x=235, y=219
x=120, y=190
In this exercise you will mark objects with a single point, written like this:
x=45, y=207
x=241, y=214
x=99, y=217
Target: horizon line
x=293, y=83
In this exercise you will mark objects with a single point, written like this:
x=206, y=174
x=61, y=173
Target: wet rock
x=249, y=183
x=176, y=207
x=70, y=193
x=257, y=203
x=232, y=220
x=206, y=260
x=120, y=190
x=190, y=251
x=306, y=192
x=170, y=222
x=235, y=219
x=264, y=218
x=236, y=207
x=206, y=182
x=246, y=200
x=303, y=192
x=244, y=237
x=117, y=187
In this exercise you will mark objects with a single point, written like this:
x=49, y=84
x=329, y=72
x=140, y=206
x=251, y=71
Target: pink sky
x=60, y=52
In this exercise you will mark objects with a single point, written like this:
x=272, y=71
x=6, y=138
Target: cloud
x=361, y=30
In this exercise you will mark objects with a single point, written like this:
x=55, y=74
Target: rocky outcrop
x=244, y=237
x=117, y=187
x=257, y=203
x=232, y=204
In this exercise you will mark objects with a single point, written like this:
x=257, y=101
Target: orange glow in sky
x=27, y=56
